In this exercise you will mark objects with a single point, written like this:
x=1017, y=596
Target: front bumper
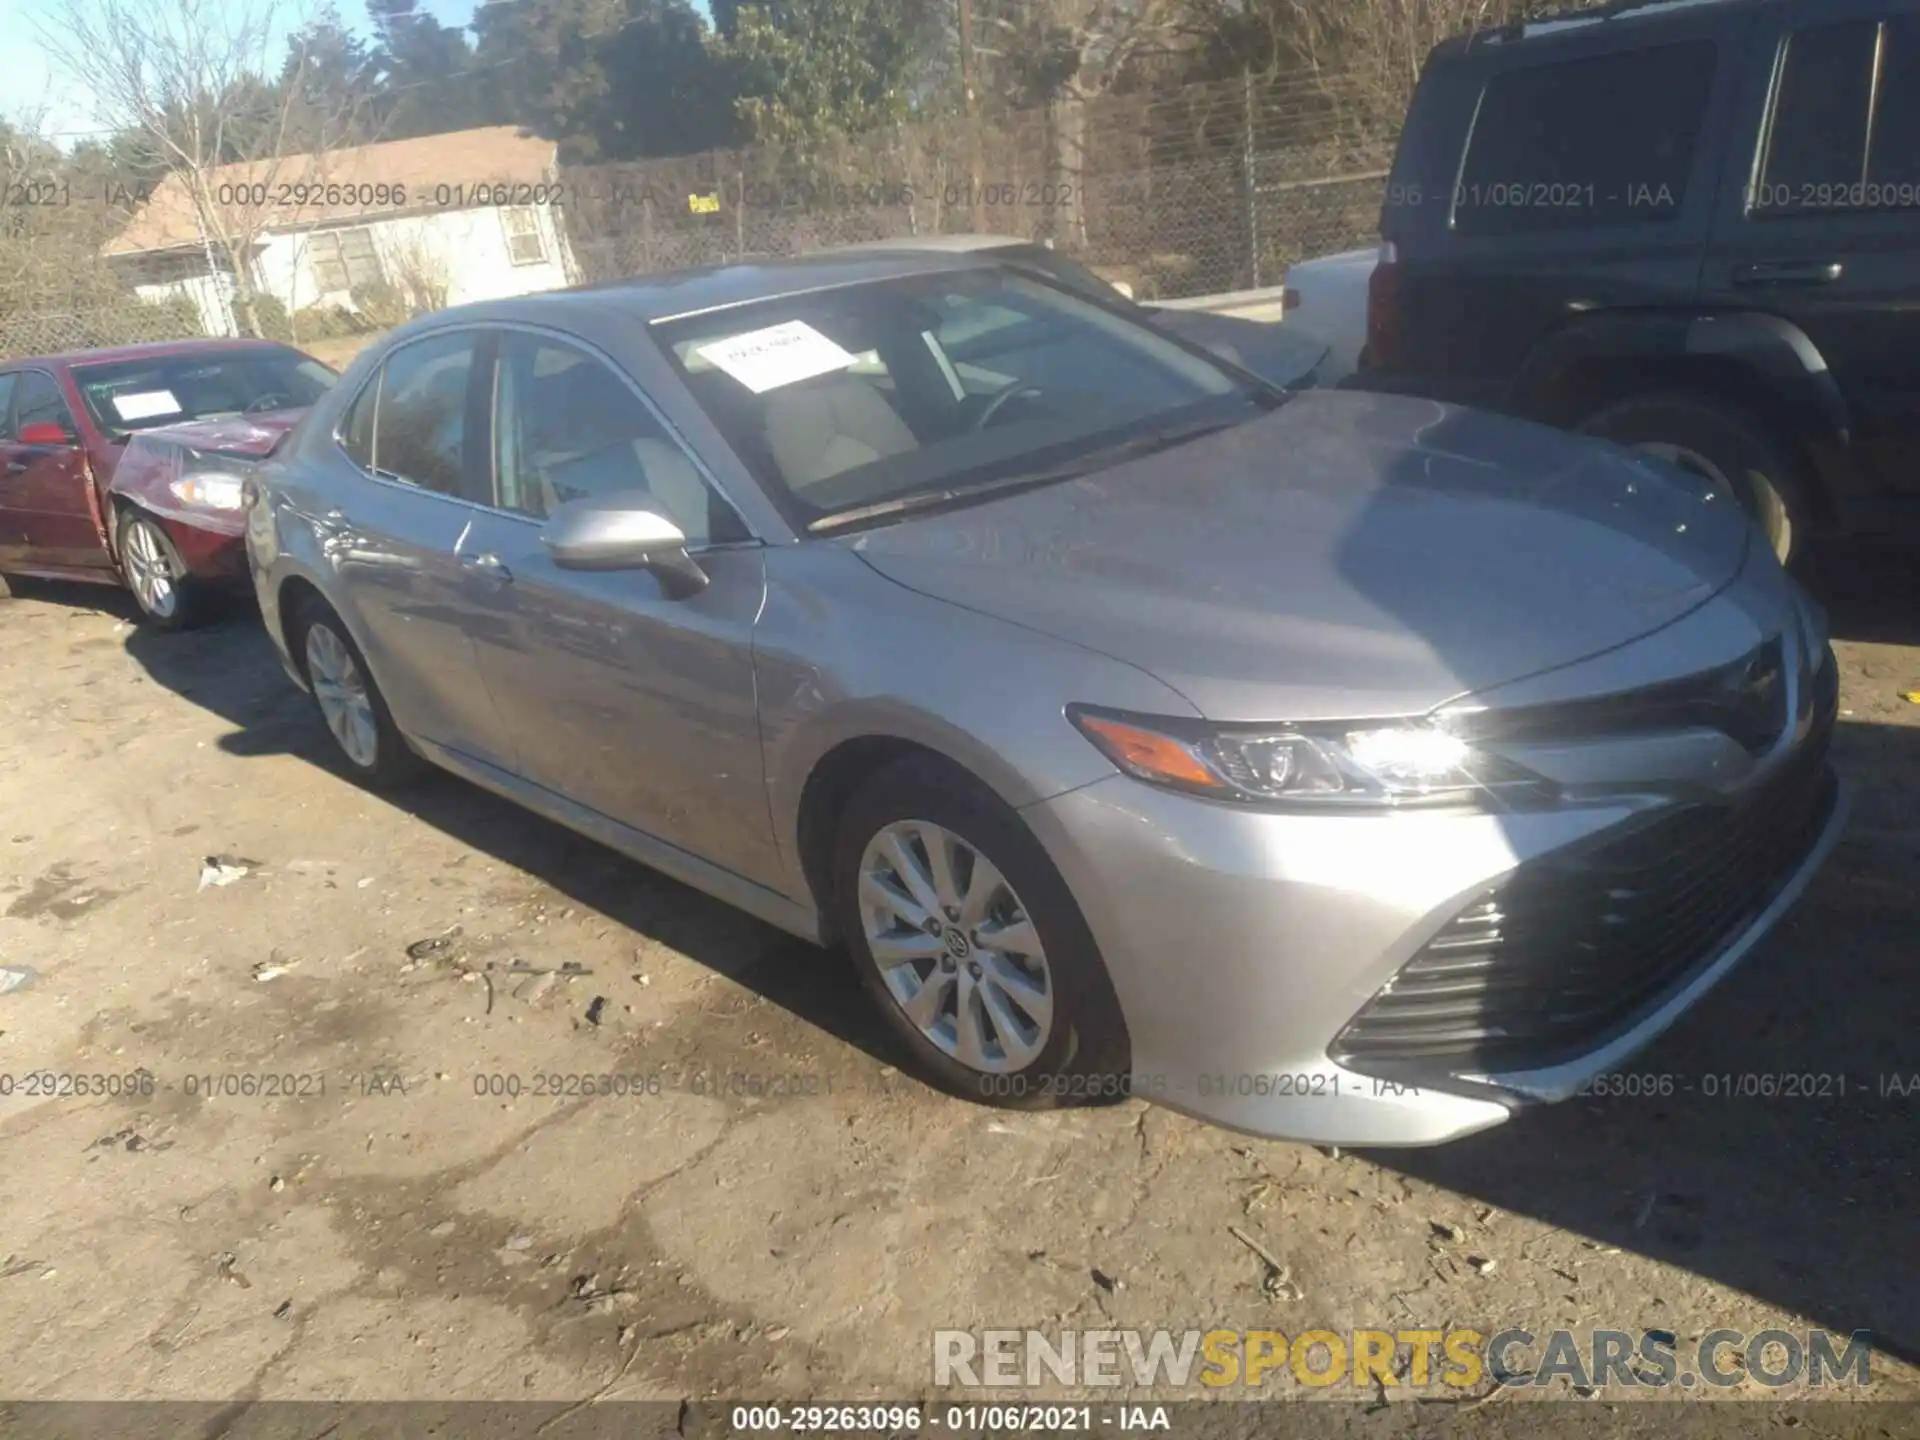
x=1244, y=944
x=213, y=547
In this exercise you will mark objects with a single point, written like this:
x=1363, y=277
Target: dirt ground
x=788, y=1216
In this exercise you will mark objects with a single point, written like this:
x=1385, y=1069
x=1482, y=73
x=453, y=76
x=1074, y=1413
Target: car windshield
x=852, y=402
x=127, y=395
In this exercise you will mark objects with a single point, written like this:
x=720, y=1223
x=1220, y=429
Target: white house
x=471, y=215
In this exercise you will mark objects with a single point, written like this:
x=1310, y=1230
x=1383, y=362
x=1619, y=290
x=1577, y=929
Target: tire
x=167, y=596
x=1082, y=1054
x=1725, y=444
x=370, y=747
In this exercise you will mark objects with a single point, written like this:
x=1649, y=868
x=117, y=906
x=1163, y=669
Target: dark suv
x=1693, y=227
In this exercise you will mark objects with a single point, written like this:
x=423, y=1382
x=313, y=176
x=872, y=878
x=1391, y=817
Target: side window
x=356, y=426
x=1555, y=148
x=566, y=427
x=1845, y=128
x=1894, y=160
x=6, y=408
x=37, y=401
x=420, y=428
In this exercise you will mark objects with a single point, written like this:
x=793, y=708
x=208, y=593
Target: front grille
x=1569, y=950
x=1746, y=700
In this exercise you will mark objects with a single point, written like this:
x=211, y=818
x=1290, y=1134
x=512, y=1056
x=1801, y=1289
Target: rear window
x=127, y=395
x=1845, y=129
x=1605, y=140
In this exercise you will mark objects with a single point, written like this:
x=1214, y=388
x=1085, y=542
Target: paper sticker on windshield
x=764, y=360
x=145, y=404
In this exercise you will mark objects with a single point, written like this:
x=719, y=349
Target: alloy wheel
x=149, y=569
x=341, y=692
x=955, y=947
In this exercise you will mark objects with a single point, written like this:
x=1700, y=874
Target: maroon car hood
x=250, y=436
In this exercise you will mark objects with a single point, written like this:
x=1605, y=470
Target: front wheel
x=1725, y=445
x=349, y=702
x=169, y=598
x=972, y=946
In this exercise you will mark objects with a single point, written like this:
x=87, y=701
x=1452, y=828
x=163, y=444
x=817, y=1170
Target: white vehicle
x=1326, y=299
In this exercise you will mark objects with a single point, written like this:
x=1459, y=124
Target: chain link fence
x=1188, y=191
x=1178, y=190
x=128, y=324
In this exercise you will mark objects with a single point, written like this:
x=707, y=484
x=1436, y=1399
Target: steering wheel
x=999, y=402
x=272, y=400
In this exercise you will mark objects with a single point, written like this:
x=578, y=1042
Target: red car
x=124, y=466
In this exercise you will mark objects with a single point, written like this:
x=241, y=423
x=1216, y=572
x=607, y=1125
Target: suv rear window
x=1845, y=128
x=1562, y=147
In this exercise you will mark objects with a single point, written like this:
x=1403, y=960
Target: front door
x=45, y=485
x=1826, y=234
x=620, y=697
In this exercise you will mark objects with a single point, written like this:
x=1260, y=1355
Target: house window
x=525, y=244
x=344, y=259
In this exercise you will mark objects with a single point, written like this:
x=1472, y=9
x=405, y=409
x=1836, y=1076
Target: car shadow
x=232, y=670
x=1768, y=1142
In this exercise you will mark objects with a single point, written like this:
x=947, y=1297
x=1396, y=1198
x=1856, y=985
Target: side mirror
x=45, y=432
x=623, y=532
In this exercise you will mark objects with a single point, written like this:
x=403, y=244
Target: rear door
x=1583, y=179
x=46, y=487
x=412, y=451
x=1824, y=229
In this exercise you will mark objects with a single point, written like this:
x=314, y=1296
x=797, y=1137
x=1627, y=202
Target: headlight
x=210, y=491
x=1367, y=762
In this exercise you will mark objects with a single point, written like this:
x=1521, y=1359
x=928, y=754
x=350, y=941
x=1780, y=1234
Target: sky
x=34, y=89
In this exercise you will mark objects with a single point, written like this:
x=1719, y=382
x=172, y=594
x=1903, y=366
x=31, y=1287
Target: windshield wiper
x=1134, y=449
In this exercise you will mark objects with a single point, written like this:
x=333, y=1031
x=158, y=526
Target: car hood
x=1348, y=556
x=248, y=437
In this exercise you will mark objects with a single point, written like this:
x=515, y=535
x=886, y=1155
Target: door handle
x=488, y=566
x=1791, y=272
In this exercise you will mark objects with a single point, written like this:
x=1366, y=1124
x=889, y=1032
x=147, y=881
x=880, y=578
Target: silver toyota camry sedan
x=1333, y=766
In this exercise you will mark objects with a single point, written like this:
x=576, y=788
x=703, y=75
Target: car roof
x=673, y=294
x=1651, y=13
x=965, y=244
x=148, y=350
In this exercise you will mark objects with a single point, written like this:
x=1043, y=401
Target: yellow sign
x=704, y=204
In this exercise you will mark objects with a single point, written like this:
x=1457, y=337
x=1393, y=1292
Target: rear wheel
x=971, y=944
x=1725, y=445
x=349, y=702
x=169, y=598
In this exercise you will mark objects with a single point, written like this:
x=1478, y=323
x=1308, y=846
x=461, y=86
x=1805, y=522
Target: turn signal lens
x=1148, y=755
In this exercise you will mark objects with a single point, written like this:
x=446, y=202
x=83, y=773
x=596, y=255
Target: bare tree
x=1370, y=51
x=49, y=236
x=221, y=107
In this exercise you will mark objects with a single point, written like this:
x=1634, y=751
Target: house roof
x=429, y=172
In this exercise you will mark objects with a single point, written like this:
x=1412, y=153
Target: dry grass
x=339, y=350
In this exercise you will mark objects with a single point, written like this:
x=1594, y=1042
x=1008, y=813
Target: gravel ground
x=379, y=1226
